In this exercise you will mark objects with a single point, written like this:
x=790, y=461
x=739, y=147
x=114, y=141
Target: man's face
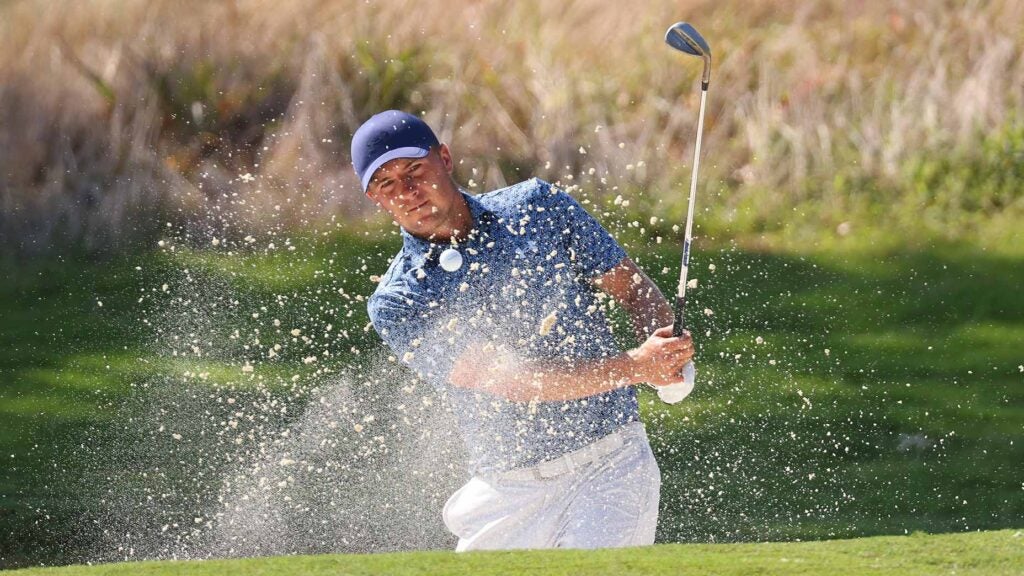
x=418, y=192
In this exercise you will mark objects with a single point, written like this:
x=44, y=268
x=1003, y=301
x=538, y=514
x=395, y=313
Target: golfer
x=500, y=301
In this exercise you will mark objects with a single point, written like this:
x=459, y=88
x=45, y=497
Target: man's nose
x=410, y=191
x=410, y=188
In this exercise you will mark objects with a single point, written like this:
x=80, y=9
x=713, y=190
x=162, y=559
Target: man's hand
x=660, y=359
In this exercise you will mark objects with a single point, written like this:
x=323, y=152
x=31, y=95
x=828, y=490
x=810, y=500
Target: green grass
x=984, y=553
x=911, y=422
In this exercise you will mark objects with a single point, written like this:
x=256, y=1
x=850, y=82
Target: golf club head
x=685, y=38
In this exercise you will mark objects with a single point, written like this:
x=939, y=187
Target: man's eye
x=386, y=185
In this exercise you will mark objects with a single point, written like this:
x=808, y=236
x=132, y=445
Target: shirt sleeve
x=415, y=336
x=593, y=250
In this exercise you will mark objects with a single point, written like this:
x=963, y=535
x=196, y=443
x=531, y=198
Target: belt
x=577, y=458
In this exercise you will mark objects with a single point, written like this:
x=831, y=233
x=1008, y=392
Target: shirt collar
x=418, y=248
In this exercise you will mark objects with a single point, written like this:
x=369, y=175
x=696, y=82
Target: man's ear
x=446, y=158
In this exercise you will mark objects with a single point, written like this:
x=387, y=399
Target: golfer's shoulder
x=513, y=200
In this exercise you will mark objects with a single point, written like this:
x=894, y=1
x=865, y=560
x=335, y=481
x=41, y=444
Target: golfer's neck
x=457, y=227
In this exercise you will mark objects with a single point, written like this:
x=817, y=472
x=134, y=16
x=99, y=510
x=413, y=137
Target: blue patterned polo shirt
x=522, y=291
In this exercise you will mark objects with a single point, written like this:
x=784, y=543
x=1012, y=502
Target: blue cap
x=386, y=136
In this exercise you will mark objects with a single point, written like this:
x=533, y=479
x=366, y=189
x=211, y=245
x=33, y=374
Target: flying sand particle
x=548, y=323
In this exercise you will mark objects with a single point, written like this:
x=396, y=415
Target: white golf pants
x=602, y=495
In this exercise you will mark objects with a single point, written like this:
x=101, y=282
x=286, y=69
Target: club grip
x=677, y=323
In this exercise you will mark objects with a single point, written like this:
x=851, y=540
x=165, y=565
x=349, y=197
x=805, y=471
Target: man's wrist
x=626, y=371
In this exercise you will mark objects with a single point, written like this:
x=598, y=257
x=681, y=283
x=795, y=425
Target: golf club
x=685, y=38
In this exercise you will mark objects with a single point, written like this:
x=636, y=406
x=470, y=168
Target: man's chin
x=423, y=223
x=427, y=216
x=420, y=229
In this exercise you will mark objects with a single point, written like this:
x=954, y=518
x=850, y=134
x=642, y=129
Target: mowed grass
x=988, y=553
x=847, y=390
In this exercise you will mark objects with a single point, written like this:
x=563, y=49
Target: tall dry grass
x=119, y=116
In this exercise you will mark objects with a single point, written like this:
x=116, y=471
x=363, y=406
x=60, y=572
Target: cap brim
x=407, y=152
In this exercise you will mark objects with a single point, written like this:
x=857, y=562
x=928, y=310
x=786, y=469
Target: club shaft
x=678, y=323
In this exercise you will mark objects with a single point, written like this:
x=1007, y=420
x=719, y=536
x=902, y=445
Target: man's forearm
x=648, y=315
x=648, y=310
x=550, y=380
x=638, y=296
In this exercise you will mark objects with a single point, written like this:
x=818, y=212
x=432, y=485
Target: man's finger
x=677, y=344
x=678, y=360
